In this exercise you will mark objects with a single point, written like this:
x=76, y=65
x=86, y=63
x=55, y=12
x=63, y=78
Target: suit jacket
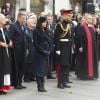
x=18, y=38
x=30, y=50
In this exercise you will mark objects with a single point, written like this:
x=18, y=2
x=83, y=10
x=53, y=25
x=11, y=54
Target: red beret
x=65, y=11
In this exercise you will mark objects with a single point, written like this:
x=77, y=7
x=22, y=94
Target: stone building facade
x=54, y=6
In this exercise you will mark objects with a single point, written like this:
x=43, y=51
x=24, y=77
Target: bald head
x=1, y=16
x=2, y=20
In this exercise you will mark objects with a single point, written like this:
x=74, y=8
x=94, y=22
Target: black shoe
x=70, y=82
x=69, y=75
x=66, y=86
x=60, y=86
x=50, y=77
x=42, y=90
x=3, y=93
x=23, y=87
x=18, y=87
x=27, y=80
x=32, y=79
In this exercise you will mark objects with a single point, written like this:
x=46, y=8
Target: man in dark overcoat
x=30, y=50
x=17, y=30
x=51, y=28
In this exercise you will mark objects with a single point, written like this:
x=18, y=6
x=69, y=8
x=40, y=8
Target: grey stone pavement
x=80, y=90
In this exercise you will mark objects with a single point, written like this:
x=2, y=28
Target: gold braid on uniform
x=66, y=30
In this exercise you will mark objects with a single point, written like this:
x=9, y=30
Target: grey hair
x=29, y=20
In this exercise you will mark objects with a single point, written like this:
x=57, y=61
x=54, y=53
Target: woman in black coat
x=42, y=48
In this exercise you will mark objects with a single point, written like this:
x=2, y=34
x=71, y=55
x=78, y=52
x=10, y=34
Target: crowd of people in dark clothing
x=8, y=10
x=32, y=47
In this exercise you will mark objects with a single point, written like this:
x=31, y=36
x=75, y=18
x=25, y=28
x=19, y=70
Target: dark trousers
x=20, y=68
x=50, y=63
x=40, y=82
x=73, y=61
x=27, y=71
x=63, y=74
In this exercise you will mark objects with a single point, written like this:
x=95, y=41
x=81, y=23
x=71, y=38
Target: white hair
x=88, y=15
x=32, y=15
x=29, y=20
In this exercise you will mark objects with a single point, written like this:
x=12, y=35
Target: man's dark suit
x=18, y=38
